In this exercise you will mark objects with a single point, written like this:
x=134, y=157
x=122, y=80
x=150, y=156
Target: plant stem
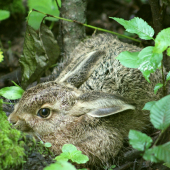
x=90, y=26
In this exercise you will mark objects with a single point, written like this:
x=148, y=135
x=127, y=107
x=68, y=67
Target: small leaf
x=162, y=41
x=138, y=26
x=149, y=105
x=61, y=165
x=63, y=157
x=148, y=61
x=68, y=148
x=79, y=158
x=129, y=59
x=139, y=140
x=168, y=51
x=168, y=76
x=160, y=113
x=157, y=87
x=1, y=56
x=4, y=14
x=47, y=144
x=12, y=92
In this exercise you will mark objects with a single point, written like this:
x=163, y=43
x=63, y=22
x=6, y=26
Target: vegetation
x=13, y=6
x=11, y=149
x=69, y=152
x=148, y=61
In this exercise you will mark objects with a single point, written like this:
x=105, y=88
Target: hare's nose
x=12, y=120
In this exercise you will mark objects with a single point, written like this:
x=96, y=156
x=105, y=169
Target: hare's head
x=51, y=107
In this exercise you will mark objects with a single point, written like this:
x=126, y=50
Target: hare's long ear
x=80, y=69
x=99, y=104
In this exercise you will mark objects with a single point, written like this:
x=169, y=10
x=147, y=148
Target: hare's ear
x=103, y=112
x=98, y=104
x=79, y=70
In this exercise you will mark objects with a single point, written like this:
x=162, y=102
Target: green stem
x=90, y=26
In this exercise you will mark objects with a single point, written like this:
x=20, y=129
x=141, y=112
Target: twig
x=90, y=26
x=125, y=166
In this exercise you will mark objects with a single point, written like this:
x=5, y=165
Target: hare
x=93, y=103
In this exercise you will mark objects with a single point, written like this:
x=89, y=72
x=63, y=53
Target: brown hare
x=87, y=104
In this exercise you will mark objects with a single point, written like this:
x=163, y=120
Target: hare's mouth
x=22, y=126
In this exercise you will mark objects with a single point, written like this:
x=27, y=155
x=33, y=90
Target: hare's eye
x=44, y=112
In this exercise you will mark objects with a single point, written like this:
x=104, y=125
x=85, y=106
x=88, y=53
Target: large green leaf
x=4, y=14
x=46, y=6
x=148, y=61
x=160, y=113
x=149, y=105
x=128, y=59
x=13, y=92
x=168, y=76
x=158, y=153
x=139, y=140
x=162, y=152
x=162, y=41
x=149, y=155
x=40, y=52
x=137, y=26
x=157, y=87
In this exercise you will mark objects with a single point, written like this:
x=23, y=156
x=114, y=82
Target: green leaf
x=68, y=148
x=168, y=76
x=139, y=140
x=12, y=92
x=61, y=165
x=168, y=51
x=63, y=157
x=157, y=87
x=71, y=152
x=160, y=113
x=48, y=7
x=162, y=41
x=59, y=3
x=47, y=144
x=158, y=153
x=35, y=19
x=149, y=105
x=79, y=158
x=149, y=155
x=38, y=54
x=167, y=164
x=138, y=26
x=128, y=59
x=4, y=14
x=1, y=56
x=148, y=61
x=162, y=152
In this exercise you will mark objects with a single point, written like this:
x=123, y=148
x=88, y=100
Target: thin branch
x=90, y=26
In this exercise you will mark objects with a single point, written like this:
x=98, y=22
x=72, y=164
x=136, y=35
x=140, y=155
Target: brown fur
x=85, y=107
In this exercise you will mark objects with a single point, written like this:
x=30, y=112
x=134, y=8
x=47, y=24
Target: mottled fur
x=86, y=108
